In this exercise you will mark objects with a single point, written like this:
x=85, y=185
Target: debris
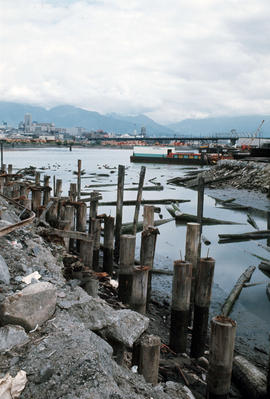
x=28, y=279
x=11, y=388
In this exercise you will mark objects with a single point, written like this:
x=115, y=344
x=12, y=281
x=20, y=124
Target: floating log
x=249, y=378
x=251, y=221
x=234, y=294
x=194, y=182
x=265, y=268
x=253, y=235
x=226, y=201
x=186, y=217
x=145, y=188
x=145, y=202
x=127, y=227
x=235, y=206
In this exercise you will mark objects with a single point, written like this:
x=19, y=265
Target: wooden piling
x=205, y=276
x=58, y=188
x=4, y=168
x=268, y=378
x=81, y=215
x=10, y=168
x=147, y=253
x=79, y=178
x=180, y=305
x=72, y=191
x=138, y=296
x=47, y=189
x=138, y=201
x=221, y=357
x=86, y=252
x=108, y=244
x=119, y=210
x=148, y=216
x=126, y=264
x=95, y=231
x=68, y=222
x=191, y=255
x=268, y=228
x=2, y=156
x=36, y=199
x=37, y=178
x=149, y=354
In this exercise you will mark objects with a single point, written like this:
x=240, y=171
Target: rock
x=4, y=272
x=11, y=336
x=178, y=391
x=124, y=326
x=33, y=305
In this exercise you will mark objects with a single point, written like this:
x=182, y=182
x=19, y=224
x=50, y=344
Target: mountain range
x=69, y=116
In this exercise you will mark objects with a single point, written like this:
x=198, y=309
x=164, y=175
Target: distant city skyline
x=168, y=60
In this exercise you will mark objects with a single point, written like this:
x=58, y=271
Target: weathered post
x=36, y=199
x=54, y=186
x=95, y=231
x=4, y=168
x=180, y=305
x=108, y=244
x=25, y=201
x=191, y=255
x=37, y=178
x=58, y=188
x=126, y=265
x=72, y=191
x=138, y=201
x=221, y=357
x=81, y=215
x=67, y=222
x=200, y=207
x=205, y=276
x=268, y=228
x=79, y=178
x=94, y=197
x=2, y=156
x=47, y=189
x=138, y=296
x=86, y=251
x=148, y=357
x=9, y=172
x=148, y=216
x=119, y=210
x=147, y=253
x=268, y=378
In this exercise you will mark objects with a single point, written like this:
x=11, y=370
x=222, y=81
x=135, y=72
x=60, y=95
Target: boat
x=168, y=155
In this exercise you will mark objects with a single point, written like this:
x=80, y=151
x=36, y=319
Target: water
x=231, y=259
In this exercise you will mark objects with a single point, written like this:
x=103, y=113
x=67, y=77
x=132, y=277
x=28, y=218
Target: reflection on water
x=231, y=259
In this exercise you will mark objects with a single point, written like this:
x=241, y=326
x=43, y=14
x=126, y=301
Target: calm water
x=231, y=259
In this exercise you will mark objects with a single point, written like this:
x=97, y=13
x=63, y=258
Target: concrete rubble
x=62, y=338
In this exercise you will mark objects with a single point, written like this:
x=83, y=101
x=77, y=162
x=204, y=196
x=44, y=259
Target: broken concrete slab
x=12, y=335
x=4, y=272
x=124, y=326
x=30, y=307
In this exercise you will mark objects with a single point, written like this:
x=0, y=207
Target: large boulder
x=30, y=307
x=4, y=272
x=123, y=326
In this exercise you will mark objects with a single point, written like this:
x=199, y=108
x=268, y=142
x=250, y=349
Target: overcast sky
x=170, y=60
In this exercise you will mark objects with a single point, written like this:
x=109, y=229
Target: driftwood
x=194, y=182
x=249, y=378
x=186, y=217
x=253, y=235
x=234, y=294
x=265, y=268
x=251, y=221
x=268, y=291
x=222, y=201
x=145, y=188
x=237, y=207
x=144, y=202
x=127, y=227
x=67, y=234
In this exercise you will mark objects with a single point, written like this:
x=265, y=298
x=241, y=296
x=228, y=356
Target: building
x=27, y=122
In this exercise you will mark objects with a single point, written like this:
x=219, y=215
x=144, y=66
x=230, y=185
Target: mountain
x=209, y=126
x=68, y=116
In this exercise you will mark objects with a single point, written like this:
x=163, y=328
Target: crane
x=254, y=136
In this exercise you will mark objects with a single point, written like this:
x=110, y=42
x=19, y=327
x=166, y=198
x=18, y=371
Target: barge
x=168, y=155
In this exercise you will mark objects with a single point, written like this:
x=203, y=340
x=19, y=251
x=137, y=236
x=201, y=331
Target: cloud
x=171, y=60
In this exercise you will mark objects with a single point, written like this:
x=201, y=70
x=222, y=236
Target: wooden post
x=148, y=216
x=36, y=199
x=54, y=186
x=268, y=378
x=191, y=255
x=81, y=216
x=138, y=201
x=108, y=244
x=2, y=157
x=119, y=210
x=37, y=178
x=10, y=167
x=147, y=253
x=200, y=189
x=58, y=188
x=180, y=305
x=149, y=353
x=79, y=178
x=47, y=189
x=95, y=231
x=94, y=196
x=4, y=168
x=205, y=276
x=126, y=264
x=221, y=357
x=67, y=225
x=86, y=252
x=138, y=296
x=72, y=191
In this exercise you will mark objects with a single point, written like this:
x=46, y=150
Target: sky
x=169, y=60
